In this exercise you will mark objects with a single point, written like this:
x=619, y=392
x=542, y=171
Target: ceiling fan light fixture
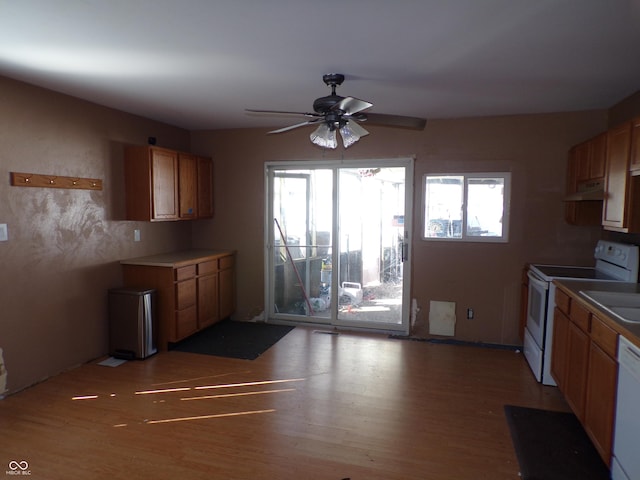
x=324, y=136
x=351, y=132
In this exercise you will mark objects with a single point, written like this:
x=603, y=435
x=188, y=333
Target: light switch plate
x=136, y=235
x=4, y=234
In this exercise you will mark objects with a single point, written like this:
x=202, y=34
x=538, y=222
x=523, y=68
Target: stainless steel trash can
x=132, y=323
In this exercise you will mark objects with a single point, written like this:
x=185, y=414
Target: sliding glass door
x=337, y=243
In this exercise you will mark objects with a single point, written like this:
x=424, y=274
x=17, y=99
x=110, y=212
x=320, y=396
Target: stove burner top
x=557, y=271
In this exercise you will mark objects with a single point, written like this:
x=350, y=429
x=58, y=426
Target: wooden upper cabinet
x=597, y=156
x=585, y=173
x=615, y=211
x=590, y=159
x=188, y=181
x=205, y=187
x=151, y=183
x=163, y=184
x=582, y=166
x=572, y=170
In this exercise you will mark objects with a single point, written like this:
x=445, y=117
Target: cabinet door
x=186, y=323
x=188, y=179
x=164, y=181
x=577, y=364
x=581, y=165
x=600, y=400
x=614, y=215
x=560, y=348
x=205, y=187
x=207, y=300
x=582, y=161
x=597, y=156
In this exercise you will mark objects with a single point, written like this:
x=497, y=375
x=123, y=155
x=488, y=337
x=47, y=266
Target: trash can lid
x=131, y=291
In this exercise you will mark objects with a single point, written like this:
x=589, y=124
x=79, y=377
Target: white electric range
x=615, y=262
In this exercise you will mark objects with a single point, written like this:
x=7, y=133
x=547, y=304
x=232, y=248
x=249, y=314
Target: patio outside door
x=337, y=243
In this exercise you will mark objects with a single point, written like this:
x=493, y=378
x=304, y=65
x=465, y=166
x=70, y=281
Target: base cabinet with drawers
x=584, y=365
x=195, y=289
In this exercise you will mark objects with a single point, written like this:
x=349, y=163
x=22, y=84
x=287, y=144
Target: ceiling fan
x=343, y=114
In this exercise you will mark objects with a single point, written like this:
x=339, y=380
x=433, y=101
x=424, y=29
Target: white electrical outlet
x=136, y=235
x=4, y=233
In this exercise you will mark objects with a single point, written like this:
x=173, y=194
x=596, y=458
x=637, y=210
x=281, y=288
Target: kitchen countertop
x=177, y=259
x=631, y=331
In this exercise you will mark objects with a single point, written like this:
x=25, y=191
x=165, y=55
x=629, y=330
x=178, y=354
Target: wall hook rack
x=54, y=181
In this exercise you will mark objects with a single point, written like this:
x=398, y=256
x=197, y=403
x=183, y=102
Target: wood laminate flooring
x=314, y=406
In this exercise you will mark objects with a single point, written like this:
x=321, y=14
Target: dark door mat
x=452, y=341
x=245, y=340
x=553, y=446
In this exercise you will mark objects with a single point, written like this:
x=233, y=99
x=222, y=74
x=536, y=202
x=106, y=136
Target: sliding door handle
x=405, y=251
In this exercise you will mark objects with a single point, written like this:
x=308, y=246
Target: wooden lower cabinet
x=559, y=352
x=208, y=294
x=601, y=399
x=577, y=364
x=186, y=323
x=194, y=290
x=584, y=366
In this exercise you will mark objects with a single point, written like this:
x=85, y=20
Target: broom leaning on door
x=295, y=269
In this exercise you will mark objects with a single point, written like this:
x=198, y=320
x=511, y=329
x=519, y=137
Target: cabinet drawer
x=206, y=268
x=580, y=316
x=563, y=301
x=185, y=294
x=227, y=262
x=605, y=337
x=183, y=273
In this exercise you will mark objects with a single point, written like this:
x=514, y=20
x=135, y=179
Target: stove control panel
x=610, y=255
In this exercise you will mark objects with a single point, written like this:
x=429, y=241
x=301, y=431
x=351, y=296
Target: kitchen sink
x=623, y=305
x=628, y=314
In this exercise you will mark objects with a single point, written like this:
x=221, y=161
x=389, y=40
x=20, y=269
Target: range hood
x=587, y=191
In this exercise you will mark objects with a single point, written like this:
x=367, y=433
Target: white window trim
x=506, y=207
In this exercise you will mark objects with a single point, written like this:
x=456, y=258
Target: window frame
x=506, y=205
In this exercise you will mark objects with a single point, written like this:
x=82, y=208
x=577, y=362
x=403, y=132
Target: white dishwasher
x=626, y=441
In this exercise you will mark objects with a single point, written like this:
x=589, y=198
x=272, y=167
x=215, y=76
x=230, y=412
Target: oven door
x=537, y=307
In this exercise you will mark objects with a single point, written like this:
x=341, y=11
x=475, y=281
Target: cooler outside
x=132, y=324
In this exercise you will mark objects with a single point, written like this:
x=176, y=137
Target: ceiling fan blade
x=291, y=127
x=351, y=105
x=306, y=114
x=399, y=121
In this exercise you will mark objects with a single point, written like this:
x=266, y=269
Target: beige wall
x=485, y=277
x=64, y=246
x=624, y=110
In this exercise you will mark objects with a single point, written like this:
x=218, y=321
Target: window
x=471, y=207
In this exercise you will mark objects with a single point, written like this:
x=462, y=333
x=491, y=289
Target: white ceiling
x=198, y=64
